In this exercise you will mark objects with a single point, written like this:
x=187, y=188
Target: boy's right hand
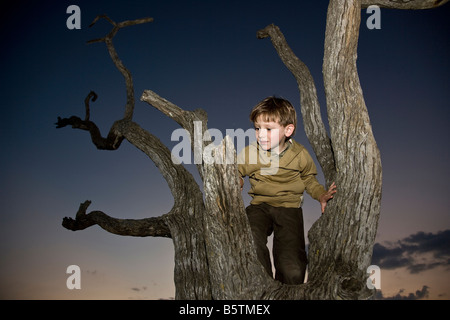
x=323, y=199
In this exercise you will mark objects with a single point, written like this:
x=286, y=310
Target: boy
x=279, y=171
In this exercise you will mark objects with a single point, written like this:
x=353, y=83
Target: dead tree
x=214, y=253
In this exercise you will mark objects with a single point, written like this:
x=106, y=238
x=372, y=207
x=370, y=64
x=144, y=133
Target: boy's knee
x=291, y=274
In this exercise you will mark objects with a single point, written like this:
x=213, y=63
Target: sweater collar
x=270, y=153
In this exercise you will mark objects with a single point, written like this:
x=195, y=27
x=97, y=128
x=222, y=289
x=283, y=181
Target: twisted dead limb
x=115, y=57
x=184, y=222
x=148, y=227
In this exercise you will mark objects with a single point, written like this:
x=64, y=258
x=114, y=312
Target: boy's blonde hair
x=277, y=110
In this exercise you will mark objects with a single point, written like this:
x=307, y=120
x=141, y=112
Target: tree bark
x=341, y=241
x=235, y=272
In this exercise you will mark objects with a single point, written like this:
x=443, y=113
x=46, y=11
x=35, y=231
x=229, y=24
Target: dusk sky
x=202, y=54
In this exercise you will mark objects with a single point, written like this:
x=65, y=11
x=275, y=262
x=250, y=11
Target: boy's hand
x=323, y=199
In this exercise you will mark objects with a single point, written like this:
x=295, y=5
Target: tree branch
x=227, y=231
x=405, y=4
x=309, y=103
x=184, y=223
x=111, y=142
x=149, y=227
x=184, y=118
x=341, y=241
x=92, y=95
x=115, y=57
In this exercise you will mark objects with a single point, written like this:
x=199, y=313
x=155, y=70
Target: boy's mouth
x=264, y=144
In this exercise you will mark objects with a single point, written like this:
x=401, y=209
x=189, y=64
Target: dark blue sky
x=197, y=54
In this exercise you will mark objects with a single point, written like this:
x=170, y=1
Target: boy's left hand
x=323, y=199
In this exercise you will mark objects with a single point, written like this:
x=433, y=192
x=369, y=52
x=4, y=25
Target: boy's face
x=271, y=135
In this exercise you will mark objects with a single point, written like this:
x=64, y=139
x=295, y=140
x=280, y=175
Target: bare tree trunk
x=214, y=253
x=341, y=242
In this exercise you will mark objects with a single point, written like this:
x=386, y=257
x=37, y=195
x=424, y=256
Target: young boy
x=279, y=171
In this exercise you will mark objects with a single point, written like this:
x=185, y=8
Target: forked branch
x=115, y=57
x=113, y=140
x=186, y=192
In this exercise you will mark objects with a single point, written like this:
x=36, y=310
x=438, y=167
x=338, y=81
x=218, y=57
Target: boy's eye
x=256, y=129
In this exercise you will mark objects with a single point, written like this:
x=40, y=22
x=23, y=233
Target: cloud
x=418, y=252
x=419, y=294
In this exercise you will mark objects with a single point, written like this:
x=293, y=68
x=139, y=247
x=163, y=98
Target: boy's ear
x=289, y=130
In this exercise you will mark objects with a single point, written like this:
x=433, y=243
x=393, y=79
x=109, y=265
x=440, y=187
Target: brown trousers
x=289, y=253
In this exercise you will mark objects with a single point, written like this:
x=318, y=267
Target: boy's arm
x=308, y=174
x=313, y=187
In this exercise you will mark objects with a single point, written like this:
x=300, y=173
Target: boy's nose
x=262, y=133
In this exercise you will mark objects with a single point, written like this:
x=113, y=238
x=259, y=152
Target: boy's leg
x=289, y=246
x=261, y=225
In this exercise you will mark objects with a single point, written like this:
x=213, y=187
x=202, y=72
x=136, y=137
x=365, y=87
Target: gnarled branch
x=184, y=118
x=92, y=95
x=309, y=103
x=111, y=142
x=115, y=57
x=148, y=227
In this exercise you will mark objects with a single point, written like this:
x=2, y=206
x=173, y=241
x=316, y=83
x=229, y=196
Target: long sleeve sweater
x=280, y=180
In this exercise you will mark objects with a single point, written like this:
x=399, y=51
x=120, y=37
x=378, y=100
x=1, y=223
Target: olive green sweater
x=280, y=180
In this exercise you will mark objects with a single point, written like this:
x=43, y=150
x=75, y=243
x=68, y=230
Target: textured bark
x=214, y=252
x=341, y=241
x=149, y=227
x=234, y=269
